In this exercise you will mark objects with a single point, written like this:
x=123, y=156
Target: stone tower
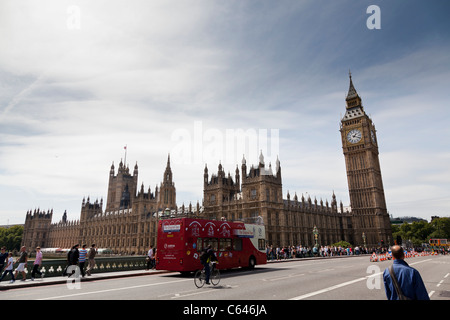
x=166, y=196
x=370, y=219
x=37, y=225
x=122, y=187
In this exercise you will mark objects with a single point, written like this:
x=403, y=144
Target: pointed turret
x=168, y=172
x=351, y=90
x=353, y=100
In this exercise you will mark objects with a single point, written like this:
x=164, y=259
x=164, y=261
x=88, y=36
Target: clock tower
x=369, y=216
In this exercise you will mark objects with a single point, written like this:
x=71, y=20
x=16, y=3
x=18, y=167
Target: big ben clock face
x=354, y=136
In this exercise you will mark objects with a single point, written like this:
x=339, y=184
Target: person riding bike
x=207, y=256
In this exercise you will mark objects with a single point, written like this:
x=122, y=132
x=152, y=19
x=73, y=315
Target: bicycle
x=214, y=277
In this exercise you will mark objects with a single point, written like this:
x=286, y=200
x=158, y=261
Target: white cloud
x=135, y=73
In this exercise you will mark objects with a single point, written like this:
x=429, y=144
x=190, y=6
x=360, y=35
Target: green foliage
x=11, y=237
x=343, y=244
x=421, y=231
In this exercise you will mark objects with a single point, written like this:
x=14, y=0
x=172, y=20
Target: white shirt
x=10, y=264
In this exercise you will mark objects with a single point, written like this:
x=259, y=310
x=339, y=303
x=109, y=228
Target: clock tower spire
x=367, y=200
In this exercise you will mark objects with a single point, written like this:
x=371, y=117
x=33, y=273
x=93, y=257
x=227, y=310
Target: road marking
x=430, y=294
x=177, y=295
x=446, y=275
x=439, y=284
x=311, y=294
x=281, y=278
x=411, y=264
x=330, y=288
x=115, y=289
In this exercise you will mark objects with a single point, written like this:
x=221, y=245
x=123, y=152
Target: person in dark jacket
x=208, y=256
x=72, y=260
x=74, y=255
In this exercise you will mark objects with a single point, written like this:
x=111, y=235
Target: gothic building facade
x=129, y=222
x=258, y=194
x=126, y=226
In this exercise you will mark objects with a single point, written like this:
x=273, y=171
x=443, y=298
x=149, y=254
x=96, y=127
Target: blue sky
x=80, y=80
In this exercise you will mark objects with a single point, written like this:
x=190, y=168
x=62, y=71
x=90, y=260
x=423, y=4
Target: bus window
x=261, y=244
x=237, y=244
x=225, y=245
x=210, y=241
x=199, y=244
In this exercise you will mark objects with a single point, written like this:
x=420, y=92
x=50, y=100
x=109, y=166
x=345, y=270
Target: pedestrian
x=402, y=282
x=150, y=258
x=72, y=259
x=82, y=259
x=37, y=263
x=91, y=259
x=9, y=268
x=23, y=260
x=3, y=257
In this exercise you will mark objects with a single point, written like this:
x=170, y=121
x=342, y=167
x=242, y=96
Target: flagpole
x=125, y=162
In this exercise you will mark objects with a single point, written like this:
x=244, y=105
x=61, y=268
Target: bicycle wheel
x=215, y=277
x=199, y=278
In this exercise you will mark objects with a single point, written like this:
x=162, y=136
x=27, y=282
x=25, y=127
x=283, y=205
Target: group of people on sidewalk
x=7, y=264
x=76, y=258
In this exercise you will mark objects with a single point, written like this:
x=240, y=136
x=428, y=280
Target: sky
x=80, y=80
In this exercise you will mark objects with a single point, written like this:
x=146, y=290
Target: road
x=349, y=278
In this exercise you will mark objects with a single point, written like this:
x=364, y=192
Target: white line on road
x=311, y=294
x=330, y=288
x=115, y=289
x=282, y=278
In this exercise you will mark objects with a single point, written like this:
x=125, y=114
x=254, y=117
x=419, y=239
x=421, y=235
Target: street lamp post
x=364, y=238
x=316, y=234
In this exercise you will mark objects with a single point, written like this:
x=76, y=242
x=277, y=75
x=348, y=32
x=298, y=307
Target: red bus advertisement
x=181, y=241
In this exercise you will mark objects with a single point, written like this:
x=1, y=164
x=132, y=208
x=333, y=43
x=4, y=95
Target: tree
x=11, y=237
x=421, y=231
x=343, y=244
x=440, y=228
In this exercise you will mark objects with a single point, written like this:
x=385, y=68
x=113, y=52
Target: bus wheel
x=251, y=262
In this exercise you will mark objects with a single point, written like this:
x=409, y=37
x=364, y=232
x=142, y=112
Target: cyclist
x=207, y=256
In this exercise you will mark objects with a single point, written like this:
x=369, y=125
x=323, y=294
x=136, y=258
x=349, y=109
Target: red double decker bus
x=181, y=241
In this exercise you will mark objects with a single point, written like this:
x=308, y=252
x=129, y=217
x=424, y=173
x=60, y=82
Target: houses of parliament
x=128, y=223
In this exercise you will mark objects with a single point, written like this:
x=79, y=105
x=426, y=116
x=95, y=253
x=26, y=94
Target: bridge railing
x=55, y=267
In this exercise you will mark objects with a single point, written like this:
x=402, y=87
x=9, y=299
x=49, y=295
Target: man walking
x=3, y=257
x=402, y=282
x=82, y=259
x=91, y=259
x=150, y=259
x=23, y=259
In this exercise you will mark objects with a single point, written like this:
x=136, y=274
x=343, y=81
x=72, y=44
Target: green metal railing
x=55, y=268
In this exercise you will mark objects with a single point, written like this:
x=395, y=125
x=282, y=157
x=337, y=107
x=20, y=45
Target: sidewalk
x=6, y=285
